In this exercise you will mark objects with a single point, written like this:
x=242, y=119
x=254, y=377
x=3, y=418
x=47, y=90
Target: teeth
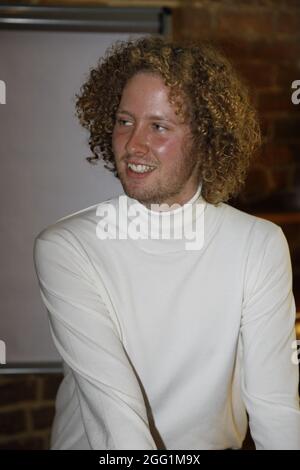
x=140, y=168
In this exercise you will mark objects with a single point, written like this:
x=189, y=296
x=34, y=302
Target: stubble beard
x=163, y=190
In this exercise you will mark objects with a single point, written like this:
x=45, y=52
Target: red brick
x=266, y=125
x=297, y=175
x=253, y=3
x=277, y=101
x=259, y=75
x=192, y=22
x=51, y=383
x=237, y=49
x=287, y=130
x=30, y=443
x=42, y=418
x=18, y=390
x=295, y=151
x=278, y=52
x=283, y=178
x=259, y=184
x=12, y=422
x=288, y=22
x=292, y=232
x=277, y=155
x=287, y=74
x=288, y=4
x=244, y=24
x=271, y=4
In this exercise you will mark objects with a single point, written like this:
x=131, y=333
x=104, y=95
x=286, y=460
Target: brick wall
x=27, y=410
x=27, y=405
x=263, y=39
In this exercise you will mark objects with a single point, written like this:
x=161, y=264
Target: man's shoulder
x=243, y=222
x=81, y=222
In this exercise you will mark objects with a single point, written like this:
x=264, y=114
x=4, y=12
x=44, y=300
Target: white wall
x=44, y=175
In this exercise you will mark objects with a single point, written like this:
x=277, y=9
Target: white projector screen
x=44, y=174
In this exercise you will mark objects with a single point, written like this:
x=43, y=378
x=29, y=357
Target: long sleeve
x=87, y=338
x=270, y=377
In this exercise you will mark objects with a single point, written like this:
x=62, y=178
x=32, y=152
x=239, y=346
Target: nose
x=137, y=143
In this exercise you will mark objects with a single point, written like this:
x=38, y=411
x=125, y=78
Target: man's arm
x=270, y=378
x=111, y=401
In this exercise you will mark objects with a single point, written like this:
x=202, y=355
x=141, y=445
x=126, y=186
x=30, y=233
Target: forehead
x=147, y=90
x=144, y=84
x=146, y=76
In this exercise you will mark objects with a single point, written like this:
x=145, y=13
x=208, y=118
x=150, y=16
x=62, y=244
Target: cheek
x=168, y=149
x=118, y=142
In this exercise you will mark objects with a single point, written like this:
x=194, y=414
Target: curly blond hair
x=224, y=123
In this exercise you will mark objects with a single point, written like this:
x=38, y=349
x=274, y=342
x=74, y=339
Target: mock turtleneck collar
x=167, y=230
x=190, y=201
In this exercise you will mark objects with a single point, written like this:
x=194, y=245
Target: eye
x=122, y=122
x=159, y=127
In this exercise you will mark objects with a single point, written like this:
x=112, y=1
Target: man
x=167, y=344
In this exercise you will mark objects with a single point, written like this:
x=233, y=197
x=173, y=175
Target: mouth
x=139, y=170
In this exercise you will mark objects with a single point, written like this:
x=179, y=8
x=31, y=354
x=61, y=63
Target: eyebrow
x=157, y=117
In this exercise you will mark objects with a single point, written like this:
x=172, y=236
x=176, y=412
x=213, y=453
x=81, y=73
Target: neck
x=170, y=204
x=171, y=228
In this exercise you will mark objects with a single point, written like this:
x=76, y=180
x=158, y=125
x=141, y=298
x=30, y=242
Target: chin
x=138, y=193
x=135, y=193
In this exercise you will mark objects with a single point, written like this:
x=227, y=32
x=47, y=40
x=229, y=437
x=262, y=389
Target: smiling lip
x=135, y=162
x=132, y=174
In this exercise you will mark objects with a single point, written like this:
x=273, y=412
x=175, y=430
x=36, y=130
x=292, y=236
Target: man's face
x=148, y=132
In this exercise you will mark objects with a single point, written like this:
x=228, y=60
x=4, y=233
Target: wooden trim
x=280, y=217
x=98, y=18
x=103, y=3
x=298, y=330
